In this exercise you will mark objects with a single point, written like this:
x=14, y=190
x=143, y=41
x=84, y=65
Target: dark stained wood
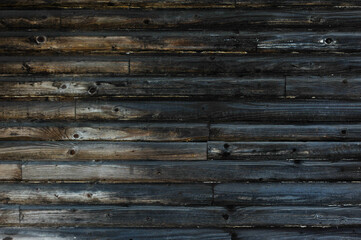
x=72, y=151
x=113, y=234
x=297, y=233
x=286, y=132
x=153, y=216
x=197, y=171
x=105, y=132
x=323, y=87
x=130, y=87
x=160, y=194
x=284, y=150
x=272, y=194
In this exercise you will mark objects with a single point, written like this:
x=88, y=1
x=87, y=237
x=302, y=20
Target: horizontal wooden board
x=160, y=194
x=284, y=150
x=273, y=194
x=157, y=132
x=9, y=215
x=192, y=19
x=10, y=171
x=280, y=111
x=153, y=216
x=176, y=65
x=130, y=87
x=72, y=151
x=323, y=87
x=196, y=171
x=113, y=234
x=273, y=132
x=177, y=42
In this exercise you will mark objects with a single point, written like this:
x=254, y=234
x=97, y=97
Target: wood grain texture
x=113, y=234
x=290, y=194
x=172, y=132
x=285, y=132
x=9, y=215
x=198, y=171
x=177, y=42
x=149, y=87
x=123, y=194
x=73, y=151
x=284, y=150
x=153, y=216
x=10, y=171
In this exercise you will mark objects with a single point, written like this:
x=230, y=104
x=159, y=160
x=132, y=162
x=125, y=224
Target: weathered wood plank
x=297, y=234
x=112, y=234
x=317, y=194
x=105, y=132
x=271, y=132
x=323, y=87
x=161, y=194
x=196, y=19
x=11, y=110
x=183, y=111
x=197, y=171
x=72, y=151
x=9, y=215
x=177, y=42
x=116, y=4
x=10, y=171
x=284, y=150
x=153, y=216
x=128, y=87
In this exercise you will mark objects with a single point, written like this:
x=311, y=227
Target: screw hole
x=146, y=21
x=76, y=135
x=63, y=86
x=225, y=216
x=92, y=90
x=343, y=131
x=344, y=81
x=226, y=145
x=72, y=152
x=116, y=109
x=40, y=39
x=329, y=40
x=294, y=150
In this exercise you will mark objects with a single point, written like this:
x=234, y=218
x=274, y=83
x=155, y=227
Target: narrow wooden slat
x=187, y=87
x=177, y=42
x=323, y=87
x=72, y=151
x=200, y=19
x=297, y=233
x=9, y=215
x=316, y=194
x=113, y=234
x=152, y=216
x=198, y=171
x=10, y=171
x=284, y=150
x=110, y=132
x=271, y=132
x=161, y=194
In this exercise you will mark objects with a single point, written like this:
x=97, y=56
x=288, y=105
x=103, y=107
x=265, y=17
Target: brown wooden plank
x=195, y=171
x=71, y=151
x=160, y=194
x=106, y=132
x=284, y=150
x=153, y=216
x=286, y=132
x=113, y=234
x=9, y=215
x=129, y=87
x=273, y=194
x=10, y=171
x=323, y=87
x=177, y=42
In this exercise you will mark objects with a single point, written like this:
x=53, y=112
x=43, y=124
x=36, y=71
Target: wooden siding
x=180, y=119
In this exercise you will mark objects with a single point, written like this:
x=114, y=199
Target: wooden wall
x=180, y=119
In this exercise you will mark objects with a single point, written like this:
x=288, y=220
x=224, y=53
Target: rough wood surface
x=10, y=171
x=285, y=132
x=273, y=194
x=150, y=87
x=155, y=194
x=198, y=171
x=153, y=216
x=157, y=132
x=73, y=151
x=284, y=150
